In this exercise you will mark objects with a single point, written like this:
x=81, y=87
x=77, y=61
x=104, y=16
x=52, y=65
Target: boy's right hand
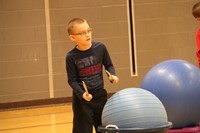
x=87, y=97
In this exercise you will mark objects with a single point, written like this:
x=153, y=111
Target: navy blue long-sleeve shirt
x=87, y=66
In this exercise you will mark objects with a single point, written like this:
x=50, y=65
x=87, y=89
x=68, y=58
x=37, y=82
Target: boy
x=196, y=14
x=84, y=63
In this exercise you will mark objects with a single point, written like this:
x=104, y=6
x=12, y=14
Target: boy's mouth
x=88, y=39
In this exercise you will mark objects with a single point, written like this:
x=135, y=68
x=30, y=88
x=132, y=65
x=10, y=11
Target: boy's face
x=81, y=34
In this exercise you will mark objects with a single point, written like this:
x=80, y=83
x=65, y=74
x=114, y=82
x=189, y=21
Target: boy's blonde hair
x=73, y=22
x=196, y=10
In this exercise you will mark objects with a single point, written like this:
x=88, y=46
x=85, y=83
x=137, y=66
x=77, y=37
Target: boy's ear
x=71, y=37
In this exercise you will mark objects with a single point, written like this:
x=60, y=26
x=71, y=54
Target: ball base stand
x=115, y=129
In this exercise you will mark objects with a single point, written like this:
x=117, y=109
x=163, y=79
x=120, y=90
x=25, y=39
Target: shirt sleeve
x=107, y=62
x=72, y=76
x=198, y=46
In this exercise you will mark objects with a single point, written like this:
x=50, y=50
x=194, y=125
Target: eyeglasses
x=89, y=31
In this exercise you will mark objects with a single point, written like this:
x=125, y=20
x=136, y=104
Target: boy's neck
x=83, y=48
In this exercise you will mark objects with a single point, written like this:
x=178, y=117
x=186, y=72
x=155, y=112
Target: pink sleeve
x=198, y=39
x=198, y=46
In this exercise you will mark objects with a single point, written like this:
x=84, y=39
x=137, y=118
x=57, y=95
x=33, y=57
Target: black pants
x=88, y=114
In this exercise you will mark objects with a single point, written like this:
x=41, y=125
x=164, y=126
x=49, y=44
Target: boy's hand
x=87, y=97
x=114, y=79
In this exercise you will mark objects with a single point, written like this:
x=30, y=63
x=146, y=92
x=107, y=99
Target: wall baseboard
x=36, y=103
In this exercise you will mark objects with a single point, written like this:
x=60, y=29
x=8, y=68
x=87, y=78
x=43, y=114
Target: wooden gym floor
x=49, y=119
x=44, y=119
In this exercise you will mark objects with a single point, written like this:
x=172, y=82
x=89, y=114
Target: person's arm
x=198, y=57
x=73, y=77
x=198, y=46
x=198, y=40
x=107, y=62
x=73, y=80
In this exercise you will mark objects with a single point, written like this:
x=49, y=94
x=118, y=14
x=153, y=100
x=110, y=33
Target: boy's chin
x=88, y=42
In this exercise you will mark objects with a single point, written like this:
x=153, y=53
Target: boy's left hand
x=113, y=79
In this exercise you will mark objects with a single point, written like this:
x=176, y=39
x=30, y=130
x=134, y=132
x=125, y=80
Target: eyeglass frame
x=89, y=31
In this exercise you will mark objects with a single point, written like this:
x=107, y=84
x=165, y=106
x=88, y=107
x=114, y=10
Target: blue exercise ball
x=134, y=108
x=177, y=84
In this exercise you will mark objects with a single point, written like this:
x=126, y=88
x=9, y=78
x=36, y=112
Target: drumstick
x=108, y=73
x=85, y=87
